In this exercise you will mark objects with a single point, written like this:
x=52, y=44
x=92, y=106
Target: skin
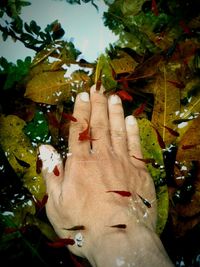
x=78, y=195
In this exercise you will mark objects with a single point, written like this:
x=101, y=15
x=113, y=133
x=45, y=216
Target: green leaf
x=27, y=28
x=4, y=36
x=104, y=73
x=34, y=27
x=25, y=3
x=17, y=24
x=14, y=73
x=37, y=130
x=1, y=13
x=151, y=149
x=130, y=7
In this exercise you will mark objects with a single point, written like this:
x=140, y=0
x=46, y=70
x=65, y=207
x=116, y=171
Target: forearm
x=120, y=248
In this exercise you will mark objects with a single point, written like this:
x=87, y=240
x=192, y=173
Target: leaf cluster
x=79, y=2
x=30, y=34
x=12, y=74
x=141, y=29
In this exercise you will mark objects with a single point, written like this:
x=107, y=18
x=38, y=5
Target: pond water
x=147, y=52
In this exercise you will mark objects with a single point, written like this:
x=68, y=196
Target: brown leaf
x=181, y=226
x=123, y=64
x=145, y=70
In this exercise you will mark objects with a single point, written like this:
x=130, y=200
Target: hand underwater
x=103, y=201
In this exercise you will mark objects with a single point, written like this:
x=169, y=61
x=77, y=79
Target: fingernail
x=93, y=88
x=114, y=99
x=84, y=96
x=100, y=90
x=131, y=120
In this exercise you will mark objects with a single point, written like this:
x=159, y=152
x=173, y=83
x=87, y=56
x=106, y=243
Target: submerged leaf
x=16, y=144
x=189, y=145
x=151, y=149
x=104, y=73
x=124, y=63
x=132, y=8
x=37, y=129
x=49, y=88
x=166, y=104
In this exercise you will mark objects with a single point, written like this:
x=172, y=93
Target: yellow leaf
x=166, y=104
x=16, y=144
x=124, y=63
x=49, y=88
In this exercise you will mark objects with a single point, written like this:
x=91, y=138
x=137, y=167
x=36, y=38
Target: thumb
x=52, y=166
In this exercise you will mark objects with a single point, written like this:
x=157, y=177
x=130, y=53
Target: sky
x=83, y=25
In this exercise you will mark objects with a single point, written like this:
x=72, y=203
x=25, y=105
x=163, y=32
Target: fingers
x=99, y=120
x=133, y=140
x=52, y=167
x=107, y=125
x=117, y=125
x=82, y=114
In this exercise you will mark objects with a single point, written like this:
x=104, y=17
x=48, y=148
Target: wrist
x=120, y=247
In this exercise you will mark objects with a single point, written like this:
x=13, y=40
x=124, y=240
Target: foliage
x=79, y=2
x=30, y=34
x=14, y=73
x=154, y=67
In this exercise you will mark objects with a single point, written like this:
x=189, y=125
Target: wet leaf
x=189, y=145
x=132, y=8
x=37, y=129
x=49, y=88
x=185, y=216
x=45, y=228
x=124, y=63
x=16, y=144
x=151, y=149
x=104, y=73
x=14, y=73
x=166, y=104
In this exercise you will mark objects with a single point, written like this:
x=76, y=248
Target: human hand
x=102, y=194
